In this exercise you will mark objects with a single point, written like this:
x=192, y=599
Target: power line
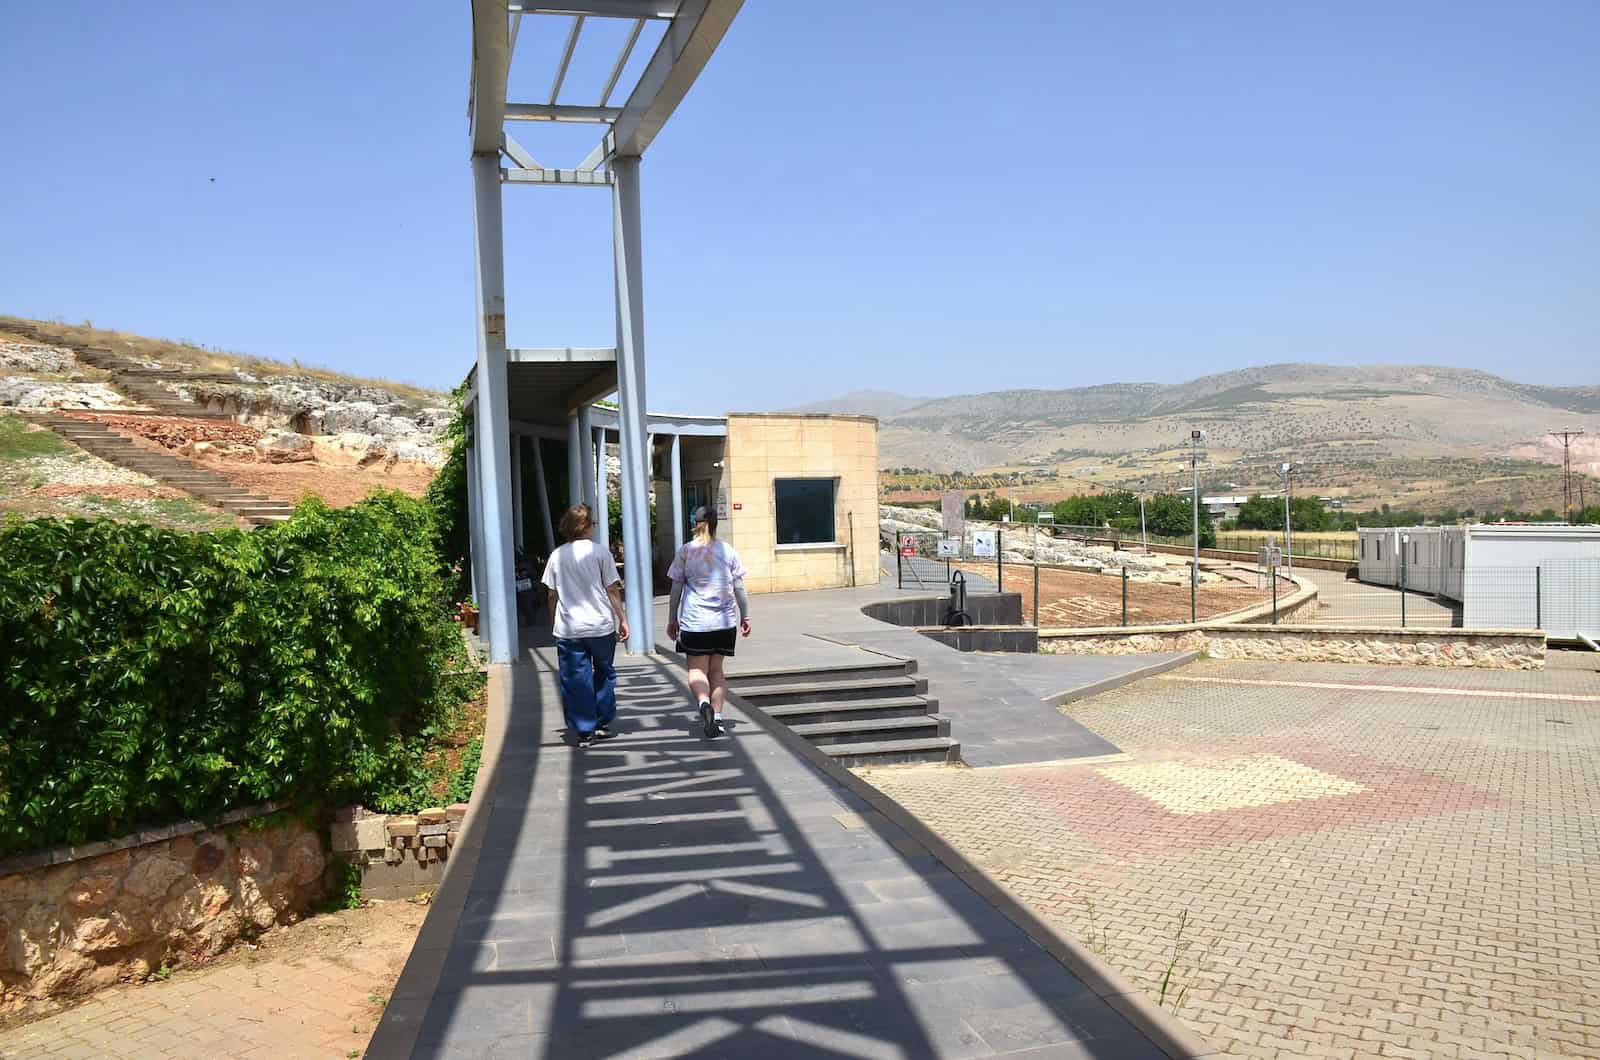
x=1566, y=434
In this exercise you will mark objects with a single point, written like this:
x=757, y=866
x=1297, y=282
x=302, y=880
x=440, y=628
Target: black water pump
x=957, y=614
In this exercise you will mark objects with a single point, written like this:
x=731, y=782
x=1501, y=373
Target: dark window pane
x=805, y=510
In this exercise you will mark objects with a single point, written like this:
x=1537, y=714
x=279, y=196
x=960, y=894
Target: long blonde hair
x=705, y=529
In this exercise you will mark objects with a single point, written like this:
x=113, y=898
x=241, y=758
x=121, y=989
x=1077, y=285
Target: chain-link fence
x=1560, y=597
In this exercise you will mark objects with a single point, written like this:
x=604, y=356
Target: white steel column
x=546, y=529
x=677, y=493
x=493, y=421
x=516, y=489
x=474, y=518
x=631, y=401
x=602, y=489
x=586, y=458
x=574, y=460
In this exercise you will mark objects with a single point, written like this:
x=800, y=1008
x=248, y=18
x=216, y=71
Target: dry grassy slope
x=1399, y=411
x=200, y=358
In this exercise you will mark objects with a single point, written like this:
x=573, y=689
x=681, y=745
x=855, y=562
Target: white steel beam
x=546, y=527
x=622, y=60
x=565, y=112
x=566, y=58
x=491, y=57
x=677, y=492
x=517, y=153
x=493, y=422
x=635, y=483
x=684, y=50
x=562, y=355
x=584, y=396
x=655, y=9
x=586, y=460
x=572, y=178
x=574, y=459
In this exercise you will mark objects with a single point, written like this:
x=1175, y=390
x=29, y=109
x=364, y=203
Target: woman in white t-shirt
x=588, y=618
x=708, y=603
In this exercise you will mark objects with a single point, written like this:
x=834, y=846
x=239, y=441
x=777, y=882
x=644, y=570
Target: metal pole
x=1288, y=520
x=1035, y=592
x=1274, y=576
x=1124, y=595
x=631, y=406
x=544, y=496
x=1402, y=582
x=899, y=565
x=1538, y=598
x=493, y=421
x=677, y=493
x=1144, y=537
x=999, y=561
x=516, y=489
x=1194, y=569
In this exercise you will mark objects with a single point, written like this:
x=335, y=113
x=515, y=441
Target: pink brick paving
x=1366, y=872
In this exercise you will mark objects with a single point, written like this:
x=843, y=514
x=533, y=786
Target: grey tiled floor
x=660, y=895
x=995, y=702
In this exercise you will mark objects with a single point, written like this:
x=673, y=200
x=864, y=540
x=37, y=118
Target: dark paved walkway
x=1001, y=706
x=663, y=896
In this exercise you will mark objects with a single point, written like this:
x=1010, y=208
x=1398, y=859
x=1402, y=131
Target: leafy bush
x=149, y=674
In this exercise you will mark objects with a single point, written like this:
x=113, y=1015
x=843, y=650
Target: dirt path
x=315, y=989
x=1070, y=598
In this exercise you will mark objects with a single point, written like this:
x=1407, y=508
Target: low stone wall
x=983, y=609
x=75, y=920
x=400, y=855
x=1454, y=648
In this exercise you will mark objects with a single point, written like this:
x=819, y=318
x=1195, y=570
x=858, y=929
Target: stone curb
x=1094, y=688
x=1163, y=1029
x=398, y=1029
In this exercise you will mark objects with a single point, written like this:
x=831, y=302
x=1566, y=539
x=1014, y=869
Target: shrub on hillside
x=149, y=674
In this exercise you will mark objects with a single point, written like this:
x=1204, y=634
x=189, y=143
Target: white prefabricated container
x=1532, y=576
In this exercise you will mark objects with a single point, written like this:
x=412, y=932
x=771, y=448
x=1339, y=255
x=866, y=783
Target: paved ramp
x=659, y=895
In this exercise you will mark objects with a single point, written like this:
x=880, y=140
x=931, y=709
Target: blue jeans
x=588, y=682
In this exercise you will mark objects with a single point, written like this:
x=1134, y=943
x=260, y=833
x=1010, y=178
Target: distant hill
x=1403, y=411
x=879, y=403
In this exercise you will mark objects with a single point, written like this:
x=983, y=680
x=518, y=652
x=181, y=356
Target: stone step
x=874, y=730
x=835, y=692
x=832, y=674
x=797, y=714
x=894, y=752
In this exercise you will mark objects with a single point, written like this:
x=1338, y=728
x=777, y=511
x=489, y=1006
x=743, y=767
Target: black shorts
x=711, y=642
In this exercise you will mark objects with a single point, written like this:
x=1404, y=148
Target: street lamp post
x=1288, y=523
x=1195, y=437
x=1144, y=537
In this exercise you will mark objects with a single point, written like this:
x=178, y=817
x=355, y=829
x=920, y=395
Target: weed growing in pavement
x=1179, y=947
x=377, y=1000
x=1099, y=936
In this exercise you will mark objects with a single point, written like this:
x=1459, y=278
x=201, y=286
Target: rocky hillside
x=1298, y=410
x=305, y=413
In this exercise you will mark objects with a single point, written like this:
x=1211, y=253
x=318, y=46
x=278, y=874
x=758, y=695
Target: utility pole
x=1195, y=437
x=1288, y=522
x=1144, y=538
x=1566, y=434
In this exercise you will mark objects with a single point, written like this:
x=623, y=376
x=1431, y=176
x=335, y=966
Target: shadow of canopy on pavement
x=664, y=895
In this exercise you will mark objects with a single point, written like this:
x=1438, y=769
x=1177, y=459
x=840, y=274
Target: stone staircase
x=875, y=713
x=148, y=385
x=209, y=486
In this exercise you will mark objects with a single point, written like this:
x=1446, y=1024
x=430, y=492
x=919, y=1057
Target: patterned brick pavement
x=312, y=991
x=1361, y=867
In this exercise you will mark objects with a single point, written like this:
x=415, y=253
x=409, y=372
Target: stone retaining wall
x=1480, y=649
x=72, y=921
x=402, y=855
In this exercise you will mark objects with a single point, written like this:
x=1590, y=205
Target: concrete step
x=874, y=730
x=797, y=714
x=833, y=691
x=832, y=674
x=894, y=752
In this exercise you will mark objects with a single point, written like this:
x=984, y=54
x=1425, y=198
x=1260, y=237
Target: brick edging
x=1163, y=1029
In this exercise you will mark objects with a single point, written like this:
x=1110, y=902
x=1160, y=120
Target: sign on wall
x=983, y=544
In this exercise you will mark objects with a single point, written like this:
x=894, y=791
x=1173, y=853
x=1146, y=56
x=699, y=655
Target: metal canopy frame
x=568, y=379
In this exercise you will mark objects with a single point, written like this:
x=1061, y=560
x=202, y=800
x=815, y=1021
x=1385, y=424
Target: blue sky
x=854, y=195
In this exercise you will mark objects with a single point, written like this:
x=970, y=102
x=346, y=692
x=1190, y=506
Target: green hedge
x=148, y=675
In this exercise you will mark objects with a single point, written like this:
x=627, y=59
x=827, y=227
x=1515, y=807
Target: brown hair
x=577, y=522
